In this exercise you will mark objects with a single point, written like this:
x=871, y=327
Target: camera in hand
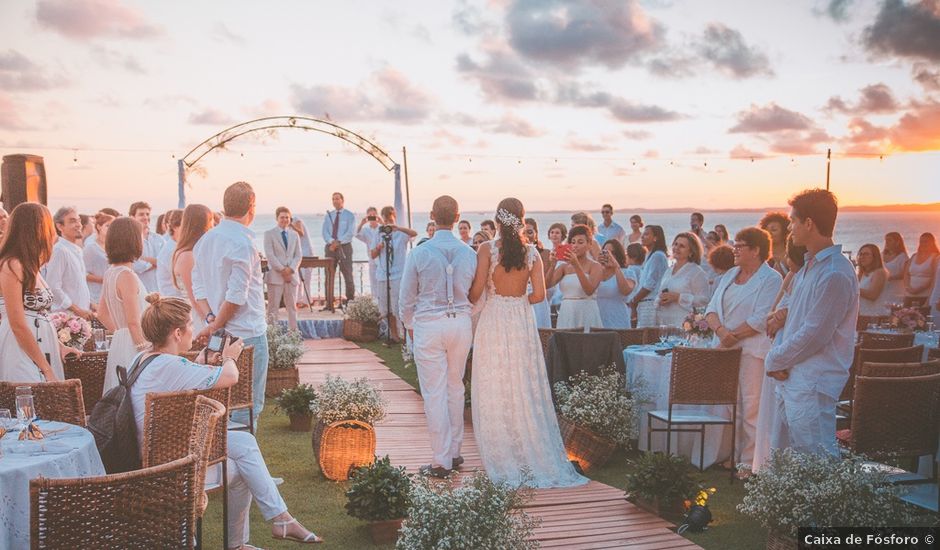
x=386, y=229
x=371, y=218
x=217, y=340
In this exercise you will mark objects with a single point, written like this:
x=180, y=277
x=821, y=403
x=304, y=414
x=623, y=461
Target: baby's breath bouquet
x=477, y=515
x=600, y=403
x=363, y=309
x=338, y=399
x=799, y=489
x=285, y=347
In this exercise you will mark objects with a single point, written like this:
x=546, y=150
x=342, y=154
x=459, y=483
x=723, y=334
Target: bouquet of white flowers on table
x=72, y=331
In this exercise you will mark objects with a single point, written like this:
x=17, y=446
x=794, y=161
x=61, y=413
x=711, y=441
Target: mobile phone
x=562, y=251
x=371, y=218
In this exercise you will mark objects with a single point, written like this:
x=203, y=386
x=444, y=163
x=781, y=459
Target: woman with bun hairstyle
x=122, y=297
x=166, y=324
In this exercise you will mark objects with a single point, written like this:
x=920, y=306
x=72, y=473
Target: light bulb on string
x=74, y=156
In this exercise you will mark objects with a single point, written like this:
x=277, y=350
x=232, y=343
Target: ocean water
x=853, y=229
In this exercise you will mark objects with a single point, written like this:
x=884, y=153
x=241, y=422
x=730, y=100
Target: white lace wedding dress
x=513, y=418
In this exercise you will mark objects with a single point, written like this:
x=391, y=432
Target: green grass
x=319, y=503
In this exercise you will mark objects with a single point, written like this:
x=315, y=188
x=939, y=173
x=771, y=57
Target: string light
x=74, y=156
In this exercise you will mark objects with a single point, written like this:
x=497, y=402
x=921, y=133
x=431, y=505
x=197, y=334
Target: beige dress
x=122, y=350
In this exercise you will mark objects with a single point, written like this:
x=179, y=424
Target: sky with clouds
x=642, y=103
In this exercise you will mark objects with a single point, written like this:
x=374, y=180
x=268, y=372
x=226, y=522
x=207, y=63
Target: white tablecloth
x=71, y=453
x=654, y=370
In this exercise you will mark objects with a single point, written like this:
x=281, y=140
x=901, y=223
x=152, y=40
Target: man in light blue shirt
x=609, y=229
x=338, y=228
x=816, y=345
x=435, y=307
x=227, y=283
x=389, y=249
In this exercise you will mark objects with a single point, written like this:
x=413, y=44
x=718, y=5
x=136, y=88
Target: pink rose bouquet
x=72, y=331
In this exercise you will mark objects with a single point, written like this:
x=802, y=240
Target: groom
x=435, y=309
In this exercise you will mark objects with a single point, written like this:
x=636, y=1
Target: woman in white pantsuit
x=738, y=314
x=167, y=325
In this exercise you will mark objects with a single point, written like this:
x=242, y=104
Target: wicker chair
x=90, y=368
x=242, y=392
x=699, y=376
x=896, y=416
x=933, y=353
x=628, y=336
x=900, y=370
x=59, y=401
x=148, y=508
x=911, y=354
x=914, y=301
x=885, y=340
x=545, y=337
x=168, y=426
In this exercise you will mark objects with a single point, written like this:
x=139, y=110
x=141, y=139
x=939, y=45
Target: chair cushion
x=689, y=417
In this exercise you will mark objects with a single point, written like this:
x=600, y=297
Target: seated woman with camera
x=168, y=326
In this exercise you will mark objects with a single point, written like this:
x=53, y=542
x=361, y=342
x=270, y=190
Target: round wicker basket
x=279, y=380
x=585, y=446
x=342, y=446
x=358, y=331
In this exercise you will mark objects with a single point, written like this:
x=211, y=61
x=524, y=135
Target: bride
x=513, y=417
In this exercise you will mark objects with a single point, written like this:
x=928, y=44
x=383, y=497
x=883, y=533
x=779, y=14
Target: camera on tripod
x=386, y=229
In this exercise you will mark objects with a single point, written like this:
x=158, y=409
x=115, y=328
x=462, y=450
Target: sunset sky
x=655, y=103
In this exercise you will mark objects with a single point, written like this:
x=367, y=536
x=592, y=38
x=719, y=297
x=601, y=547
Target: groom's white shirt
x=423, y=295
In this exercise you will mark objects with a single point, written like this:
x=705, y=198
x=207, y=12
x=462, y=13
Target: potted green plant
x=285, y=347
x=797, y=489
x=475, y=514
x=596, y=414
x=661, y=483
x=361, y=323
x=380, y=494
x=295, y=402
x=344, y=436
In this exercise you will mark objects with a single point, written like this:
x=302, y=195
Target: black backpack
x=113, y=425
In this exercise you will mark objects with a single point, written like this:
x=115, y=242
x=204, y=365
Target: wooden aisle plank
x=591, y=516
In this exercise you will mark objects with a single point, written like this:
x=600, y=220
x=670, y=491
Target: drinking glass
x=101, y=344
x=6, y=421
x=25, y=410
x=663, y=334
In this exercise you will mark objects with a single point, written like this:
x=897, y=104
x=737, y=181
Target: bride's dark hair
x=509, y=216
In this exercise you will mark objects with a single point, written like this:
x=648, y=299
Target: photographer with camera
x=390, y=248
x=366, y=232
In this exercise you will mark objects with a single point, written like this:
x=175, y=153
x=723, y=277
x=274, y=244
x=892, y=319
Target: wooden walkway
x=591, y=516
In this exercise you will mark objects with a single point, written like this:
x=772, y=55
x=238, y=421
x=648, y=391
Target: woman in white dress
x=643, y=301
x=767, y=415
x=918, y=277
x=895, y=259
x=577, y=277
x=542, y=310
x=513, y=417
x=197, y=219
x=123, y=298
x=738, y=315
x=872, y=277
x=557, y=234
x=29, y=347
x=96, y=261
x=636, y=227
x=685, y=286
x=617, y=282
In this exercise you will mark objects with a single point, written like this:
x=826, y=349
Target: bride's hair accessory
x=509, y=219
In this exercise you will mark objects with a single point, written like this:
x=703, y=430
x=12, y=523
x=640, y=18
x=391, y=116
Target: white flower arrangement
x=285, y=347
x=338, y=399
x=363, y=309
x=477, y=515
x=601, y=403
x=799, y=489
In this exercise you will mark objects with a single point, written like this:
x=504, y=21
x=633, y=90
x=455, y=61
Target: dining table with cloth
x=66, y=451
x=648, y=370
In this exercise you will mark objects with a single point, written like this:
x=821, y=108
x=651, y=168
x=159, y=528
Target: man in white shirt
x=146, y=266
x=610, y=229
x=229, y=288
x=390, y=250
x=435, y=307
x=65, y=273
x=697, y=228
x=174, y=220
x=368, y=229
x=338, y=234
x=282, y=249
x=816, y=345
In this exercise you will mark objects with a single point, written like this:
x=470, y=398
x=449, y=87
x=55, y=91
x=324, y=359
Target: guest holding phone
x=617, y=282
x=578, y=277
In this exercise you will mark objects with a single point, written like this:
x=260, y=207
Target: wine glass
x=6, y=421
x=25, y=410
x=663, y=334
x=101, y=344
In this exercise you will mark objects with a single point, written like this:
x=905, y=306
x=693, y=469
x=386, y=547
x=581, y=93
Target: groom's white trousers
x=440, y=350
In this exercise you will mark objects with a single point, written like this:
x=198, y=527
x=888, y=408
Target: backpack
x=113, y=425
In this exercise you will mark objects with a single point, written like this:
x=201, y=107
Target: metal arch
x=299, y=122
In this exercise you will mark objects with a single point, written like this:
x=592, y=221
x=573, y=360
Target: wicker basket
x=359, y=331
x=779, y=541
x=585, y=446
x=279, y=380
x=342, y=446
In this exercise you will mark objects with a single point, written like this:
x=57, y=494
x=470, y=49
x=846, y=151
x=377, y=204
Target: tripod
x=387, y=240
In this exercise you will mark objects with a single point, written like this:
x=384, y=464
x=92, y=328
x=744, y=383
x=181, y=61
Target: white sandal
x=311, y=538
